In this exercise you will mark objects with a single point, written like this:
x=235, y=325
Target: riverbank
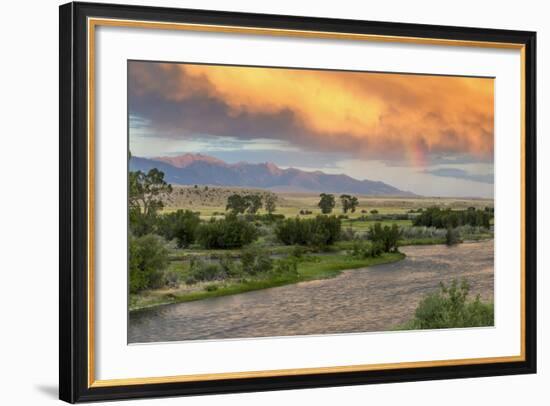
x=309, y=268
x=378, y=298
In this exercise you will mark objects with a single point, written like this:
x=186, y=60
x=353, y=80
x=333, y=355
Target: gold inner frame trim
x=94, y=22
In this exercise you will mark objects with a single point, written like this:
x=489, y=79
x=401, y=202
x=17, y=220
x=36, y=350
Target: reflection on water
x=369, y=299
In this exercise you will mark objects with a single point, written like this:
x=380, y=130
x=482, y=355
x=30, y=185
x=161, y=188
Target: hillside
x=197, y=169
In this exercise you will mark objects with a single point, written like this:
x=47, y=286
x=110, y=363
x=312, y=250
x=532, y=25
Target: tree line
x=240, y=204
x=447, y=218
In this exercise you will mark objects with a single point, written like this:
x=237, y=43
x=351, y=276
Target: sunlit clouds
x=410, y=121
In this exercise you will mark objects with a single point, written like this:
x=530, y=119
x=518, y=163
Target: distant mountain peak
x=182, y=161
x=199, y=169
x=274, y=169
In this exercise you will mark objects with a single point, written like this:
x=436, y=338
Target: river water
x=369, y=299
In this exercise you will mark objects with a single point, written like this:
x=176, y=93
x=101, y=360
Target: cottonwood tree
x=145, y=194
x=349, y=203
x=253, y=203
x=270, y=203
x=236, y=203
x=146, y=190
x=327, y=203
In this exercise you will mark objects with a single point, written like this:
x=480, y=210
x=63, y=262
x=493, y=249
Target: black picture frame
x=74, y=199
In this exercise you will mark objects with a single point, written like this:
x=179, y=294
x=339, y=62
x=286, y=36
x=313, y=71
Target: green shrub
x=385, y=237
x=450, y=308
x=202, y=271
x=287, y=267
x=452, y=236
x=181, y=225
x=348, y=234
x=419, y=232
x=230, y=267
x=231, y=232
x=298, y=252
x=363, y=249
x=147, y=260
x=358, y=249
x=319, y=231
x=255, y=261
x=172, y=278
x=377, y=249
x=141, y=224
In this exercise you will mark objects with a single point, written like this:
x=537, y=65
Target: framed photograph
x=257, y=202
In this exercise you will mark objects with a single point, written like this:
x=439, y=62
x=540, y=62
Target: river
x=369, y=299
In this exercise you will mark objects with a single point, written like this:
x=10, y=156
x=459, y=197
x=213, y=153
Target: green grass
x=364, y=225
x=327, y=266
x=422, y=241
x=333, y=265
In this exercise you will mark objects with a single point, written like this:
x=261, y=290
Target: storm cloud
x=365, y=115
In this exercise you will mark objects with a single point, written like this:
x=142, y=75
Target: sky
x=431, y=135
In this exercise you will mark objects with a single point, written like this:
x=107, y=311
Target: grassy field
x=210, y=202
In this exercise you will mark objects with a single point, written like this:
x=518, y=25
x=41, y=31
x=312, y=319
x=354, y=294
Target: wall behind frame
x=29, y=220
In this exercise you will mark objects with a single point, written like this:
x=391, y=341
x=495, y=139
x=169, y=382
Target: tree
x=444, y=218
x=236, y=204
x=253, y=203
x=147, y=260
x=327, y=203
x=146, y=189
x=181, y=225
x=353, y=203
x=349, y=203
x=270, y=203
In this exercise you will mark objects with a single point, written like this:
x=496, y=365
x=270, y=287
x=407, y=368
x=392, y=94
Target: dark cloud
x=400, y=115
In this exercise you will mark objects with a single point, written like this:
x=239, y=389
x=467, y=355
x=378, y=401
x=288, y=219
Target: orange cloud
x=363, y=111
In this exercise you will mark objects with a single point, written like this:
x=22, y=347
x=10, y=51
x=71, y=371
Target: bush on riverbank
x=286, y=267
x=147, y=260
x=452, y=236
x=255, y=261
x=365, y=249
x=202, y=271
x=319, y=231
x=450, y=308
x=231, y=232
x=285, y=271
x=385, y=237
x=422, y=232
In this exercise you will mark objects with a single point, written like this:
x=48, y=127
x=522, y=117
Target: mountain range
x=198, y=169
